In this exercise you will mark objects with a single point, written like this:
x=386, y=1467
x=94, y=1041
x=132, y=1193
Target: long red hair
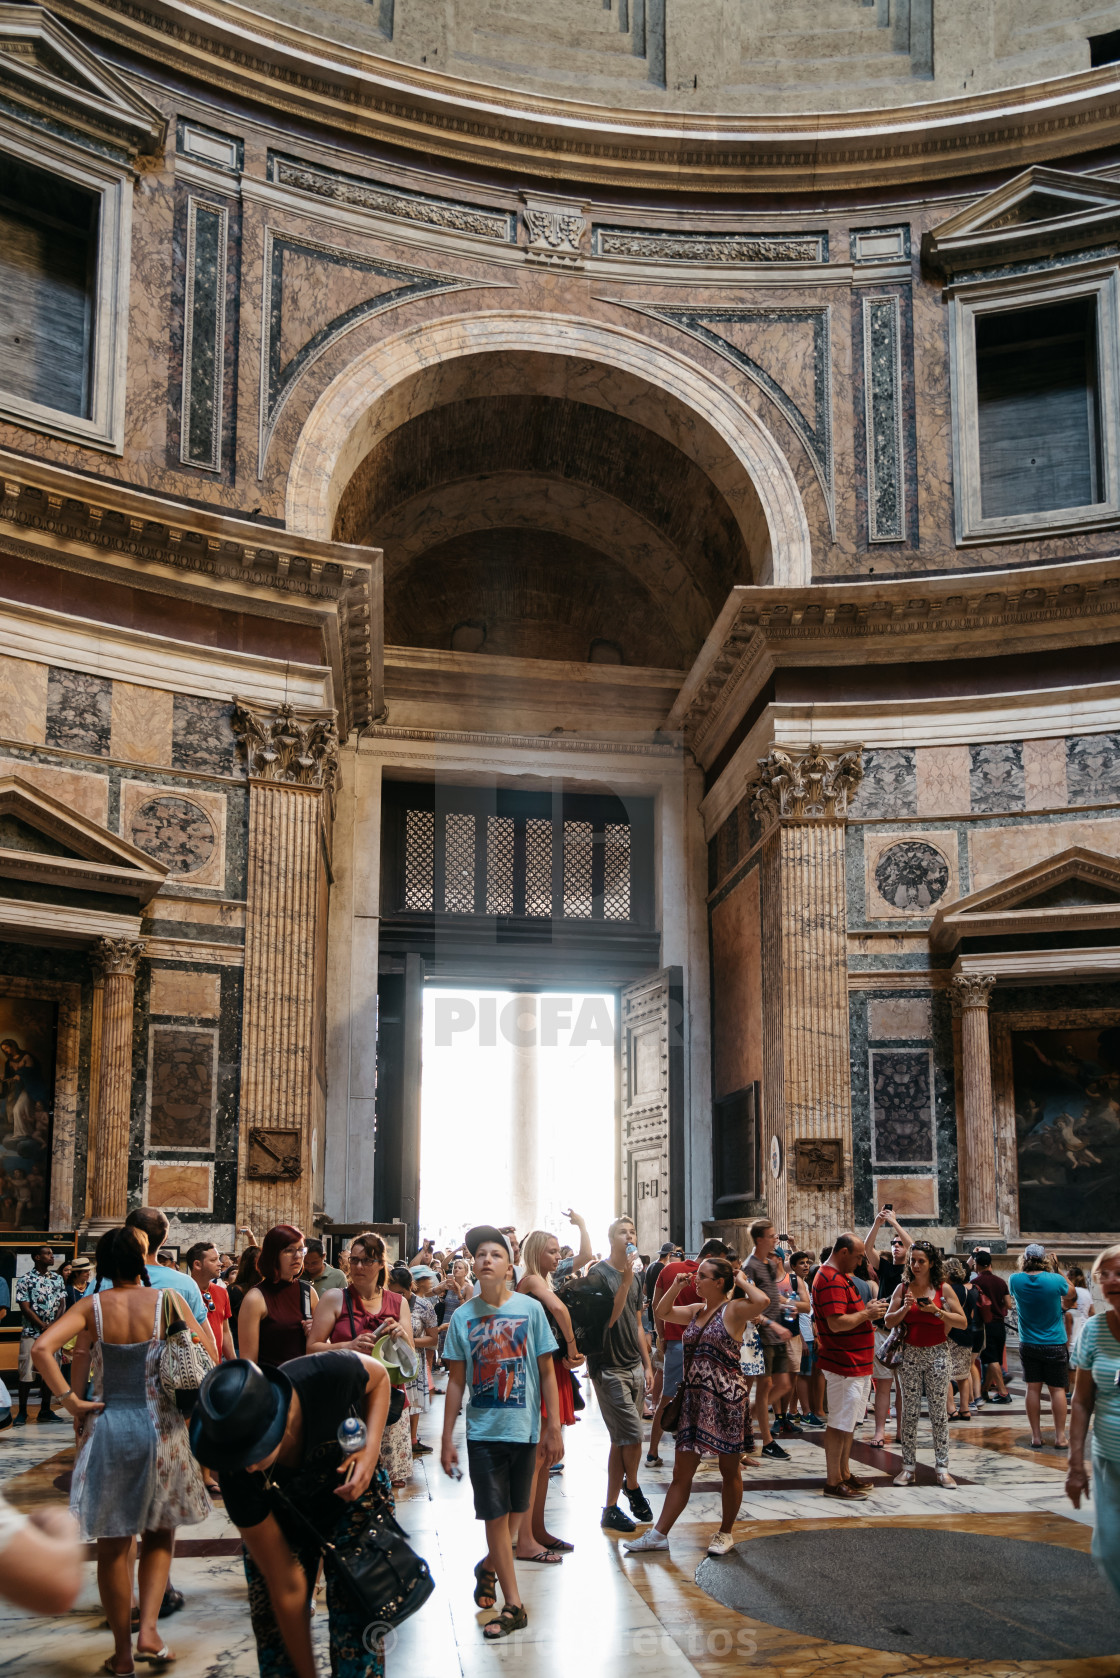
x=278, y=1237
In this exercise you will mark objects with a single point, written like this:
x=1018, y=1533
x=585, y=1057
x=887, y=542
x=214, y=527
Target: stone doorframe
x=1003, y=1093
x=353, y=413
x=68, y=995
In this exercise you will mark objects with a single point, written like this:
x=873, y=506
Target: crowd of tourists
x=296, y=1394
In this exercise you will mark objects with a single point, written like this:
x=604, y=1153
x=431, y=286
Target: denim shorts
x=501, y=1474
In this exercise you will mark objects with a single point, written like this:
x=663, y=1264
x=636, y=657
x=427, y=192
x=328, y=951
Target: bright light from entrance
x=517, y=1112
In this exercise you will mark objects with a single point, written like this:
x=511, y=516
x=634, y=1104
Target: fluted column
x=976, y=1161
x=806, y=1063
x=115, y=960
x=293, y=763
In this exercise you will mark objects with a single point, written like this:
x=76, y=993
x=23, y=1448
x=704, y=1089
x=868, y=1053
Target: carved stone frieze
x=118, y=955
x=814, y=784
x=284, y=747
x=388, y=201
x=971, y=990
x=708, y=247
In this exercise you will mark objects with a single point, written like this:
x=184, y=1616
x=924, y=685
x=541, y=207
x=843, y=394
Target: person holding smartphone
x=929, y=1310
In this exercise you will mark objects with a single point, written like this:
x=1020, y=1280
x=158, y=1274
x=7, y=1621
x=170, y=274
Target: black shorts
x=501, y=1477
x=1046, y=1364
x=995, y=1339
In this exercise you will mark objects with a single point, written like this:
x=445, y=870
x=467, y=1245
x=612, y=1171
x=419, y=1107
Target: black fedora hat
x=241, y=1414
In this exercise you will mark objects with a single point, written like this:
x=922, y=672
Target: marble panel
x=1044, y=774
x=141, y=723
x=902, y=1107
x=942, y=774
x=889, y=786
x=911, y=1197
x=996, y=852
x=203, y=737
x=996, y=776
x=79, y=711
x=886, y=488
x=179, y=992
x=204, y=334
x=23, y=701
x=1093, y=768
x=737, y=979
x=182, y=827
x=178, y=1187
x=899, y=1017
x=182, y=1073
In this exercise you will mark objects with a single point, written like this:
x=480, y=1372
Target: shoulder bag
x=397, y=1396
x=378, y=1571
x=671, y=1415
x=890, y=1352
x=184, y=1361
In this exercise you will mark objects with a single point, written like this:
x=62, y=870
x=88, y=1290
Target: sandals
x=159, y=1657
x=509, y=1620
x=482, y=1573
x=110, y=1666
x=878, y=1444
x=546, y=1557
x=561, y=1546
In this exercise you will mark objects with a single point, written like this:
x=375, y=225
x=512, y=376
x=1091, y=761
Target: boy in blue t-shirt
x=502, y=1349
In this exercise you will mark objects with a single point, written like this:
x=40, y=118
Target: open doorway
x=518, y=1110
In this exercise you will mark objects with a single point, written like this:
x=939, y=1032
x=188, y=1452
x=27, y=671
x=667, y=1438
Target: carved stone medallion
x=818, y=1163
x=274, y=1154
x=176, y=832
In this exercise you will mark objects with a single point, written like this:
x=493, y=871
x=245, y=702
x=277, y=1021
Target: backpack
x=589, y=1303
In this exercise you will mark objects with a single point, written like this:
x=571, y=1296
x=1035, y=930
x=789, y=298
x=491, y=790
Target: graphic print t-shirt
x=500, y=1349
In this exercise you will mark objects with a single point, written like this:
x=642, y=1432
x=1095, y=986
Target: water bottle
x=351, y=1435
x=632, y=1252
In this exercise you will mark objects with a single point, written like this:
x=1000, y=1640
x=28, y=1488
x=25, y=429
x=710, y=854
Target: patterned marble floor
x=601, y=1612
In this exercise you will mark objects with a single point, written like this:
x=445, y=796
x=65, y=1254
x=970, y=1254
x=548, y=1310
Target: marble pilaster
x=117, y=959
x=806, y=1072
x=979, y=1212
x=292, y=766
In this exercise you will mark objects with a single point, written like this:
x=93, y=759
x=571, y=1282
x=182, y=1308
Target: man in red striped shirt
x=846, y=1352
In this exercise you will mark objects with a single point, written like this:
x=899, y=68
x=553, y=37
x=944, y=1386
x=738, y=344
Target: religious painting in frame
x=28, y=1046
x=1066, y=1102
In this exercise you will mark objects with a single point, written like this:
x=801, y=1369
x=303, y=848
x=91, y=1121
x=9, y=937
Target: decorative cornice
x=644, y=244
x=284, y=747
x=286, y=69
x=419, y=208
x=118, y=955
x=53, y=80
x=814, y=786
x=971, y=990
x=524, y=742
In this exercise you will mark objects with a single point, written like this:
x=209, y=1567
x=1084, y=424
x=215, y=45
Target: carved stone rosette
x=115, y=961
x=815, y=784
x=282, y=746
x=976, y=1137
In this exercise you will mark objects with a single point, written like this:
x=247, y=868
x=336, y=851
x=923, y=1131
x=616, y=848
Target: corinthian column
x=976, y=1161
x=293, y=764
x=115, y=961
x=807, y=1095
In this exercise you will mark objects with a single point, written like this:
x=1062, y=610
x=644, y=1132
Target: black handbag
x=378, y=1570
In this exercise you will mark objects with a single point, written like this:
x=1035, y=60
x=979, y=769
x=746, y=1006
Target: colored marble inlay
x=996, y=781
x=899, y=1016
x=176, y=832
x=912, y=876
x=23, y=701
x=179, y=1188
x=1044, y=774
x=886, y=498
x=890, y=784
x=901, y=1107
x=942, y=774
x=1093, y=768
x=204, y=334
x=79, y=711
x=202, y=735
x=182, y=1088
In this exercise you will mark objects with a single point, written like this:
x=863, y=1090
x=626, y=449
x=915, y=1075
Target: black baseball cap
x=474, y=1238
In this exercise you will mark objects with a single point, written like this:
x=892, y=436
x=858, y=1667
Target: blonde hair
x=1110, y=1255
x=531, y=1250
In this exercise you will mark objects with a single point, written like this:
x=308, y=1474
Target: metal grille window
x=579, y=846
x=458, y=864
x=419, y=859
x=616, y=872
x=538, y=867
x=499, y=865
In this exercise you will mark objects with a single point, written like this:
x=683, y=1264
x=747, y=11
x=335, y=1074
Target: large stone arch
x=608, y=366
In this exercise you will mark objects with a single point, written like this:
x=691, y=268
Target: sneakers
x=639, y=1503
x=790, y=1427
x=722, y=1544
x=651, y=1540
x=844, y=1492
x=615, y=1521
x=1006, y=1399
x=775, y=1450
x=20, y=1420
x=813, y=1420
x=48, y=1415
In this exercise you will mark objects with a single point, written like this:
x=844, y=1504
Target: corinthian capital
x=971, y=990
x=118, y=955
x=280, y=746
x=814, y=784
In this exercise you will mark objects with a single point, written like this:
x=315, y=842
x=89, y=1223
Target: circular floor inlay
x=954, y=1595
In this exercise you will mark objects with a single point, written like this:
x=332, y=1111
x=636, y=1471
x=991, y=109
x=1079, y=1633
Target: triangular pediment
x=1076, y=890
x=47, y=71
x=44, y=841
x=1041, y=209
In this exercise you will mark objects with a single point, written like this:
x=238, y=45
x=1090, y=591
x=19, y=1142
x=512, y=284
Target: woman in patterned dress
x=134, y=1471
x=713, y=1394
